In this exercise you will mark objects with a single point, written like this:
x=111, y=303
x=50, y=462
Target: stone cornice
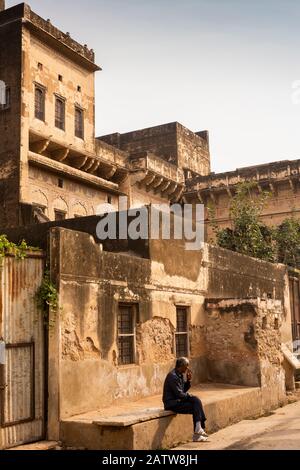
x=73, y=173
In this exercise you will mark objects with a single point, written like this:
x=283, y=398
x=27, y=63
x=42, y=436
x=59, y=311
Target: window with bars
x=181, y=334
x=60, y=107
x=126, y=334
x=40, y=102
x=79, y=124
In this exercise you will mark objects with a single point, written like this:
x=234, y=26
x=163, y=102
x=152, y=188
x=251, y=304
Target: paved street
x=279, y=431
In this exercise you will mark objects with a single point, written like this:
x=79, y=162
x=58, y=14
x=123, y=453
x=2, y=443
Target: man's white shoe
x=201, y=433
x=199, y=438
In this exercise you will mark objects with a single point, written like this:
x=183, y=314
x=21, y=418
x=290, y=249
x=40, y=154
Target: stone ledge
x=134, y=418
x=40, y=445
x=144, y=427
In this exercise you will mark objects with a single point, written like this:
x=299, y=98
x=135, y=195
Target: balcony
x=63, y=158
x=155, y=174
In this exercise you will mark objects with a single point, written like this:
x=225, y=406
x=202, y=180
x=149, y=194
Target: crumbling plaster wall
x=219, y=273
x=243, y=341
x=92, y=283
x=232, y=275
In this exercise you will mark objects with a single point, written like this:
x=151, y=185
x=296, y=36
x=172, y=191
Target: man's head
x=182, y=364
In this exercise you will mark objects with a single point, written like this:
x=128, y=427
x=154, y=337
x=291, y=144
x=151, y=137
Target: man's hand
x=189, y=375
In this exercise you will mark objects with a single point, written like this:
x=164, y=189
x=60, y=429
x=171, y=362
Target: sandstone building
x=280, y=179
x=125, y=310
x=53, y=167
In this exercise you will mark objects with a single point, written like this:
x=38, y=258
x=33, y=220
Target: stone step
x=144, y=425
x=40, y=445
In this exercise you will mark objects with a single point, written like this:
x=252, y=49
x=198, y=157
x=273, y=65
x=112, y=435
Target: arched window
x=40, y=102
x=60, y=113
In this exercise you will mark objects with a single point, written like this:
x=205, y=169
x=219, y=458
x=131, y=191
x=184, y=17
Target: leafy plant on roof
x=247, y=234
x=287, y=238
x=18, y=250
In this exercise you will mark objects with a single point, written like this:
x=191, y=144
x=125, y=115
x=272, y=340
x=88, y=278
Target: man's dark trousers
x=190, y=405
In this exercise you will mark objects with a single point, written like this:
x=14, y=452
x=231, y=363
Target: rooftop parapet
x=265, y=173
x=31, y=19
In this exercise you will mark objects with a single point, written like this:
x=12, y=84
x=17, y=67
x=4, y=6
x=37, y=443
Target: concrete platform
x=144, y=425
x=40, y=445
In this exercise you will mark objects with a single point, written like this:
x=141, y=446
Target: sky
x=231, y=67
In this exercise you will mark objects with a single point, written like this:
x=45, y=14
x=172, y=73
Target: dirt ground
x=280, y=430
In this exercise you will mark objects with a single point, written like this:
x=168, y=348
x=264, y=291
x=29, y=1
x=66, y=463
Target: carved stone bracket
x=40, y=146
x=60, y=155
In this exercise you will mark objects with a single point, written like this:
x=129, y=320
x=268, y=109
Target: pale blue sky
x=223, y=65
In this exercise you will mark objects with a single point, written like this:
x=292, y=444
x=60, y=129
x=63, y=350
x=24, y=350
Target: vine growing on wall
x=47, y=299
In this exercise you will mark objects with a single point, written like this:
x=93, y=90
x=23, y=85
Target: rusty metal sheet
x=22, y=375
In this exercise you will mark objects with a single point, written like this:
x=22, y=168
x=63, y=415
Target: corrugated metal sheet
x=21, y=327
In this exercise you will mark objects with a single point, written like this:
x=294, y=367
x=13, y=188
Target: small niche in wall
x=264, y=323
x=276, y=323
x=40, y=66
x=60, y=183
x=79, y=88
x=60, y=78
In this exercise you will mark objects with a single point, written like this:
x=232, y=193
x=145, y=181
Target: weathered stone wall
x=160, y=140
x=10, y=74
x=74, y=198
x=140, y=197
x=243, y=342
x=172, y=142
x=54, y=63
x=193, y=151
x=232, y=275
x=92, y=284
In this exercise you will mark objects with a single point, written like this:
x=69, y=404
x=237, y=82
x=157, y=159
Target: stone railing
x=269, y=172
x=149, y=161
x=65, y=38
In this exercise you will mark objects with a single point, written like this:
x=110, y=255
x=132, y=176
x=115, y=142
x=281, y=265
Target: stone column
x=2, y=5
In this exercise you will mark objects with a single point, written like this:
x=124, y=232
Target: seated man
x=176, y=398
